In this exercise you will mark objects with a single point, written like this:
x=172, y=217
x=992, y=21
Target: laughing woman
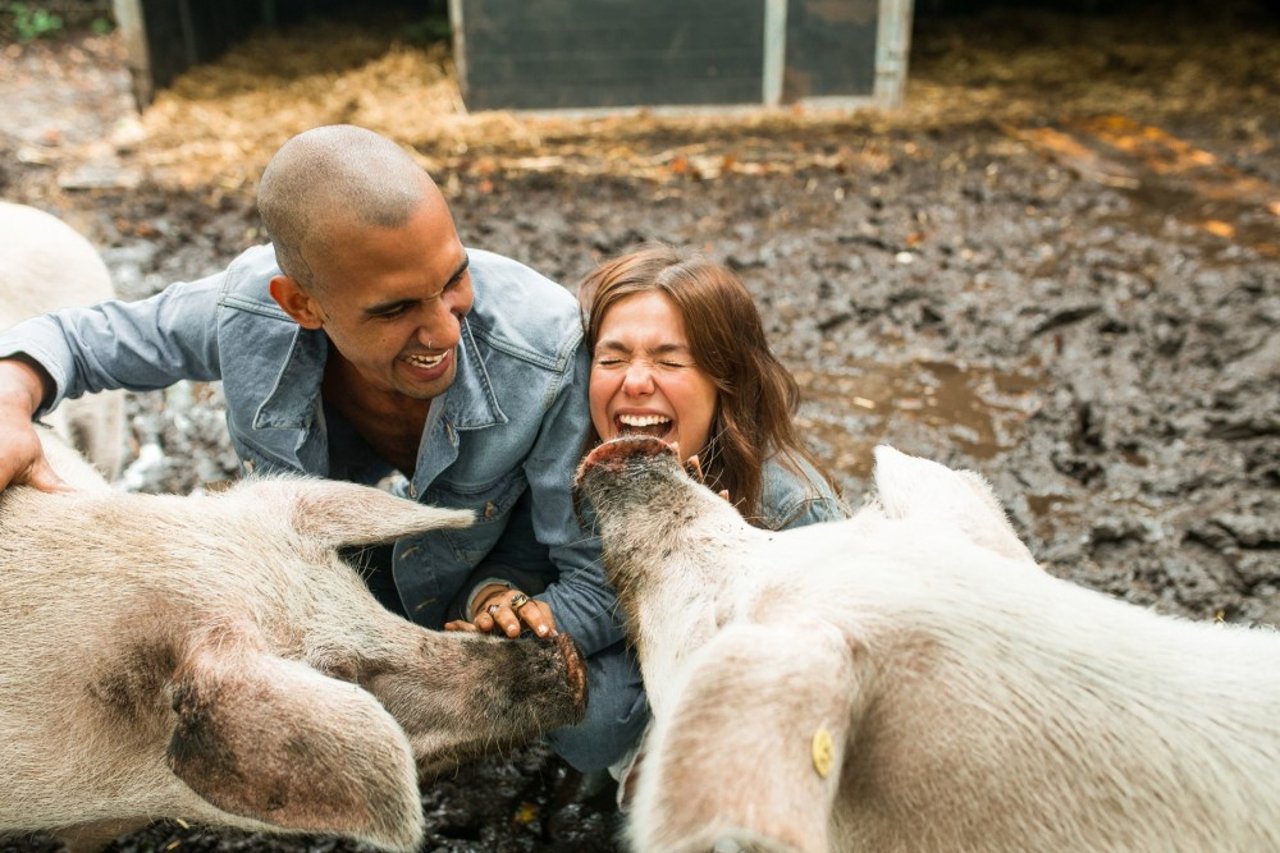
x=679, y=352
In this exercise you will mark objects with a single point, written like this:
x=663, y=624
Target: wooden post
x=775, y=50
x=132, y=24
x=893, y=46
x=459, y=45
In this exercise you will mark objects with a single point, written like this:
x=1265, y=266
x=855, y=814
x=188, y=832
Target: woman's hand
x=500, y=609
x=694, y=466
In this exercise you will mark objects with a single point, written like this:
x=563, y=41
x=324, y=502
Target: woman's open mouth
x=657, y=426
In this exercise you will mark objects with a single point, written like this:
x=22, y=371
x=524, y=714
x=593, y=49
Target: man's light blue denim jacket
x=512, y=424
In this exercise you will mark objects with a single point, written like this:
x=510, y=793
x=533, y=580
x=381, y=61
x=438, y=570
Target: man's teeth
x=643, y=420
x=426, y=361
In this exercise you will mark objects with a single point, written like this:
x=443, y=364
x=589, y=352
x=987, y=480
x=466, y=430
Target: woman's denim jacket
x=511, y=426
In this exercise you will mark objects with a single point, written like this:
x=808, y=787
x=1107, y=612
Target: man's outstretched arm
x=141, y=345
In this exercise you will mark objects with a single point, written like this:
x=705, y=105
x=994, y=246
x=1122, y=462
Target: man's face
x=392, y=300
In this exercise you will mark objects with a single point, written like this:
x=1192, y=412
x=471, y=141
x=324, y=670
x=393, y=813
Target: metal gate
x=585, y=55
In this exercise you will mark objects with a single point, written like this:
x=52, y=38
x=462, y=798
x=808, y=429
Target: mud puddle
x=982, y=411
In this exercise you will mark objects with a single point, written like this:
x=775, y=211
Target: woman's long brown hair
x=757, y=395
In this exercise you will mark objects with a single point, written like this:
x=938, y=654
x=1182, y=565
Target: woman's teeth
x=642, y=420
x=425, y=361
x=654, y=425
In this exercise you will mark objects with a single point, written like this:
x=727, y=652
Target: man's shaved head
x=335, y=173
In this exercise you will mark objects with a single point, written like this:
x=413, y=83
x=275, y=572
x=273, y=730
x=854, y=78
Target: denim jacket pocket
x=491, y=503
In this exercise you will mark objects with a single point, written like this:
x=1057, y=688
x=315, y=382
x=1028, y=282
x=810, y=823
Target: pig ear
x=783, y=760
x=275, y=741
x=335, y=513
x=911, y=487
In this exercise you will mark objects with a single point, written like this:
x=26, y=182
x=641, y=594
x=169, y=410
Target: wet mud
x=1080, y=301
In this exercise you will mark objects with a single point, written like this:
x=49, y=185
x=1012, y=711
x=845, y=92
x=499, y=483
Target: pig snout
x=610, y=461
x=549, y=676
x=575, y=671
x=616, y=453
x=468, y=696
x=532, y=683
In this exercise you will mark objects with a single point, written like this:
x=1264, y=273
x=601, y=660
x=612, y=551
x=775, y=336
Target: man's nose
x=439, y=329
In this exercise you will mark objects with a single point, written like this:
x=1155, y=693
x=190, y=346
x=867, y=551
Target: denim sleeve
x=140, y=345
x=581, y=599
x=799, y=496
x=813, y=510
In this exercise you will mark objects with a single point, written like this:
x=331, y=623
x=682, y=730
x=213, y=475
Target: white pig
x=44, y=266
x=906, y=681
x=211, y=658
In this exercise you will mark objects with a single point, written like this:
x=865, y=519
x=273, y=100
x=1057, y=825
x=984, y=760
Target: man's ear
x=296, y=302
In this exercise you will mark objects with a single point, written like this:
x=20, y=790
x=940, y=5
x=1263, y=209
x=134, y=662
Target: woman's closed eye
x=664, y=363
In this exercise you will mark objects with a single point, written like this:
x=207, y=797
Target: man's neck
x=391, y=423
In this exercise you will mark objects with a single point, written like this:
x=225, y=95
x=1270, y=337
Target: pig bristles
x=229, y=607
x=975, y=701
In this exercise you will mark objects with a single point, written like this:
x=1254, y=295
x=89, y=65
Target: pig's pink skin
x=212, y=658
x=971, y=700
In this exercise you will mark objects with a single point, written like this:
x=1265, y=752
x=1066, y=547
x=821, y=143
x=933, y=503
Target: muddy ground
x=1059, y=265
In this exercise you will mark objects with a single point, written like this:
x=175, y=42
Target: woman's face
x=644, y=380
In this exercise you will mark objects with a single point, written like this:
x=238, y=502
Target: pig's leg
x=275, y=741
x=751, y=750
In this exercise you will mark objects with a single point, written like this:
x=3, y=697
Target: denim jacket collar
x=470, y=402
x=292, y=401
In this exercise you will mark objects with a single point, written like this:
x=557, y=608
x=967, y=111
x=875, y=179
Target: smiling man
x=366, y=343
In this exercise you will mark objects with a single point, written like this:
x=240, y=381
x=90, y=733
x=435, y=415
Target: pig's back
x=48, y=265
x=991, y=676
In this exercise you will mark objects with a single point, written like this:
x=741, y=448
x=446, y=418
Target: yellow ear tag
x=823, y=752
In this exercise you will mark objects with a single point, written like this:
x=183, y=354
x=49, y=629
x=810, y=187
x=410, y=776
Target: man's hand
x=499, y=609
x=22, y=459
